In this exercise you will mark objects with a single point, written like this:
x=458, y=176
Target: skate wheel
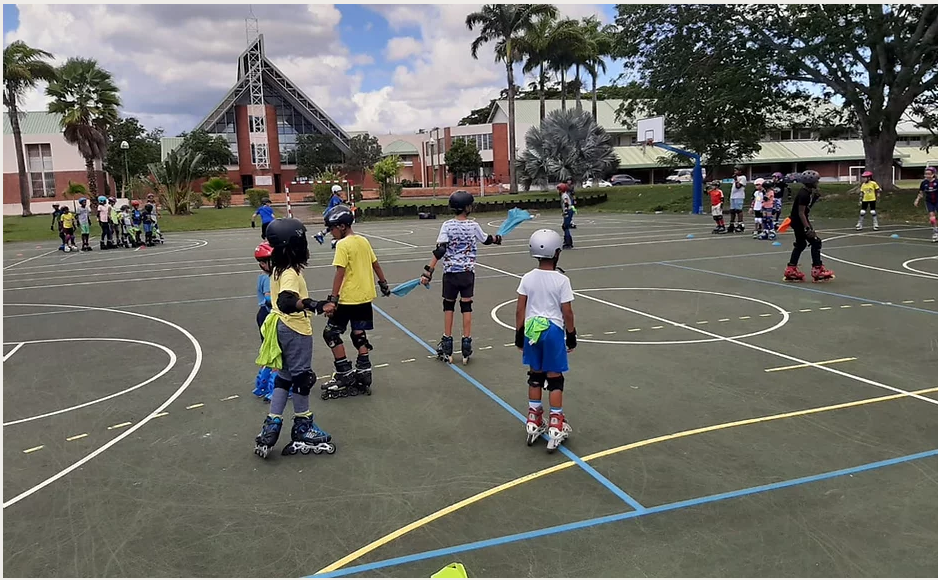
x=331, y=449
x=325, y=395
x=368, y=391
x=306, y=450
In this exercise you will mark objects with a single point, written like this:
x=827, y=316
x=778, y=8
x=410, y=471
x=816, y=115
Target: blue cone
x=261, y=381
x=776, y=243
x=690, y=236
x=894, y=236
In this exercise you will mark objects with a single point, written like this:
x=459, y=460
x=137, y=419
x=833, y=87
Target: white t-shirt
x=462, y=238
x=546, y=291
x=104, y=212
x=757, y=199
x=738, y=192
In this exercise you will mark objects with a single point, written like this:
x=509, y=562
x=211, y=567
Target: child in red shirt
x=716, y=206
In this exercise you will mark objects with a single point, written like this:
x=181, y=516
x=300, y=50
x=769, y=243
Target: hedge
x=479, y=206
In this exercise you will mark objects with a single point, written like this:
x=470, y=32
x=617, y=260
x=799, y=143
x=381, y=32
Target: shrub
x=389, y=193
x=218, y=191
x=256, y=195
x=309, y=198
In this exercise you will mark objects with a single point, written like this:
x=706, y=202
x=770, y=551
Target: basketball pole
x=697, y=174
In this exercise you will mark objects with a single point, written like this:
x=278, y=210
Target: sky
x=378, y=68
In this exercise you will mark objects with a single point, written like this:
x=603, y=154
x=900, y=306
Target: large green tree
x=213, y=152
x=504, y=25
x=462, y=157
x=87, y=99
x=364, y=152
x=143, y=149
x=172, y=179
x=540, y=45
x=316, y=153
x=23, y=67
x=598, y=47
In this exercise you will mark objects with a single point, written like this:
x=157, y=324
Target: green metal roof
x=34, y=123
x=916, y=157
x=528, y=112
x=399, y=147
x=167, y=145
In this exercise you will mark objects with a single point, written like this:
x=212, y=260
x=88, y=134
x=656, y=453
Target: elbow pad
x=286, y=302
x=488, y=241
x=440, y=251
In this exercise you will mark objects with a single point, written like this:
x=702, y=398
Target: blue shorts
x=931, y=207
x=549, y=354
x=736, y=203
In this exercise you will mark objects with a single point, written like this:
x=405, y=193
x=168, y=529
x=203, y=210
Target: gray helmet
x=460, y=201
x=810, y=178
x=339, y=215
x=284, y=232
x=544, y=244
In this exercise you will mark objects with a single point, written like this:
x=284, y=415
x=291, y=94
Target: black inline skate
x=466, y=349
x=268, y=436
x=306, y=437
x=444, y=349
x=344, y=383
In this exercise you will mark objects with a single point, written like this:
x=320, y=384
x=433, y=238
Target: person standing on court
x=804, y=231
x=267, y=215
x=737, y=197
x=566, y=203
x=571, y=189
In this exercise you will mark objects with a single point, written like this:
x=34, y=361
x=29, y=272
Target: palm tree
x=504, y=25
x=567, y=144
x=87, y=99
x=540, y=44
x=601, y=45
x=172, y=179
x=23, y=68
x=218, y=191
x=566, y=54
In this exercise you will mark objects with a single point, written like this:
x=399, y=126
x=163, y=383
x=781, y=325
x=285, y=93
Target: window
x=39, y=165
x=802, y=134
x=482, y=142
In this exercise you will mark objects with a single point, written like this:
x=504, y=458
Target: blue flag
x=405, y=288
x=516, y=217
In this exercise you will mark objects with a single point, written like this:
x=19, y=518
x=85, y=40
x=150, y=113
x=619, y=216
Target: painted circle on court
x=781, y=323
x=925, y=272
x=166, y=369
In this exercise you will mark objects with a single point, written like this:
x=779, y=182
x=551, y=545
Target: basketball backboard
x=651, y=129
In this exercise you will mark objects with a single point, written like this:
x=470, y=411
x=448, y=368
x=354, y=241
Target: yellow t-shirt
x=67, y=220
x=290, y=281
x=868, y=190
x=354, y=253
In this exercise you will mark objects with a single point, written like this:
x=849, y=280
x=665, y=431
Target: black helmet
x=460, y=201
x=339, y=215
x=285, y=232
x=810, y=178
x=148, y=207
x=738, y=168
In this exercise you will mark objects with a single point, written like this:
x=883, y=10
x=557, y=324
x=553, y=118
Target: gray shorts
x=297, y=351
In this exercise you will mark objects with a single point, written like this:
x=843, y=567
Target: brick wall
x=500, y=152
x=11, y=185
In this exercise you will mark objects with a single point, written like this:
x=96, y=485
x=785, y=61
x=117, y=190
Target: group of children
x=126, y=227
x=766, y=206
x=545, y=330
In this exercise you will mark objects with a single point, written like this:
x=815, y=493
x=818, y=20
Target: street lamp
x=124, y=147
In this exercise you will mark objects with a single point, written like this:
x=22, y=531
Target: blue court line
x=623, y=516
x=639, y=508
x=796, y=286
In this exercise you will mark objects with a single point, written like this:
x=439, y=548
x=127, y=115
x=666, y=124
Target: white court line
x=30, y=259
x=196, y=365
x=166, y=369
x=912, y=261
x=18, y=346
x=925, y=275
x=390, y=240
x=740, y=343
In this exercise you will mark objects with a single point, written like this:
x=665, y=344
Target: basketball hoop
x=647, y=143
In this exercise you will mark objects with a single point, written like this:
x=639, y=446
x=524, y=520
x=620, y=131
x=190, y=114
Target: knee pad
x=933, y=220
x=449, y=305
x=304, y=383
x=332, y=335
x=465, y=306
x=555, y=383
x=758, y=220
x=360, y=339
x=862, y=212
x=282, y=383
x=537, y=379
x=872, y=212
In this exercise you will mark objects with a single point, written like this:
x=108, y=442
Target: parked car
x=599, y=183
x=684, y=176
x=624, y=179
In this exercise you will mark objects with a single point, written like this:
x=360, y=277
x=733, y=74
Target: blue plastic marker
x=690, y=236
x=776, y=243
x=894, y=236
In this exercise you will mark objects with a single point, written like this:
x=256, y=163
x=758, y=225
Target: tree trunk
x=563, y=90
x=579, y=104
x=543, y=96
x=512, y=174
x=92, y=178
x=879, y=152
x=20, y=160
x=595, y=117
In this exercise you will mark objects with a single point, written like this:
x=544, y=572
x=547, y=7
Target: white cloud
x=402, y=47
x=174, y=62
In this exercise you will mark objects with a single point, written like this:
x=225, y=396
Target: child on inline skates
x=543, y=314
x=869, y=195
x=758, y=198
x=67, y=223
x=264, y=382
x=804, y=231
x=155, y=216
x=768, y=206
x=267, y=216
x=353, y=290
x=56, y=224
x=294, y=334
x=716, y=206
x=779, y=188
x=737, y=198
x=928, y=190
x=84, y=223
x=566, y=202
x=457, y=246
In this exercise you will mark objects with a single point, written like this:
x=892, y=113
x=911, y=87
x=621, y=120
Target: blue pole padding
x=697, y=173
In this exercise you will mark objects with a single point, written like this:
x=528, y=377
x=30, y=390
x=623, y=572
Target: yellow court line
x=804, y=366
x=33, y=449
x=537, y=474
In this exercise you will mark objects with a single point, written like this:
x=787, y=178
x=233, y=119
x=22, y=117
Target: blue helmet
x=82, y=200
x=102, y=199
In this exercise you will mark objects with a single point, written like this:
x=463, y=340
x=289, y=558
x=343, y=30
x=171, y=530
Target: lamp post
x=125, y=146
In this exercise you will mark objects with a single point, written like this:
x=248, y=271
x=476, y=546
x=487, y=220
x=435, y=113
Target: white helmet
x=759, y=181
x=336, y=188
x=544, y=243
